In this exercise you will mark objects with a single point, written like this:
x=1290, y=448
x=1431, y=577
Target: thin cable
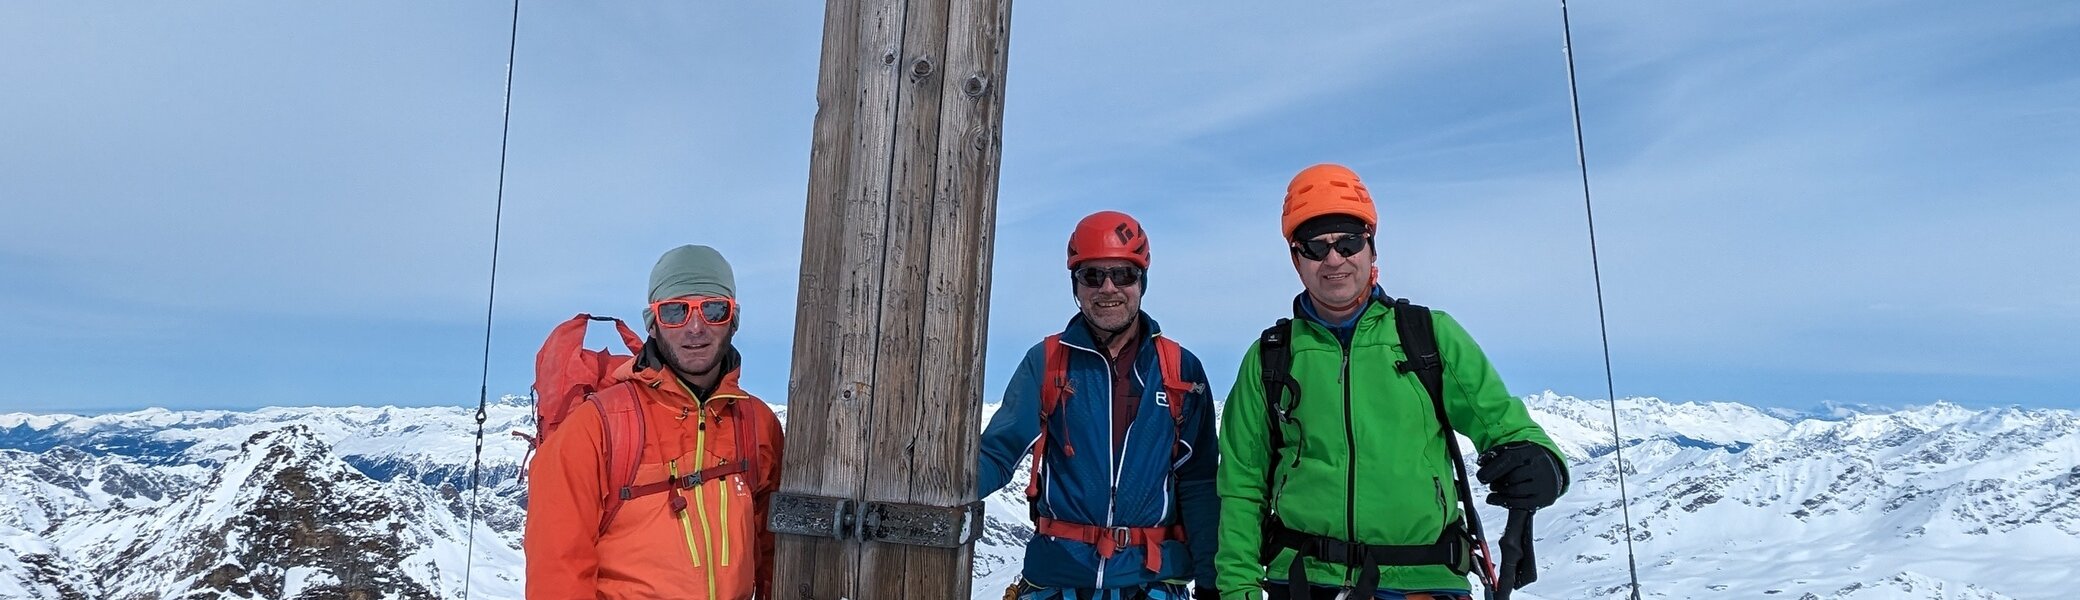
x=490, y=301
x=1581, y=156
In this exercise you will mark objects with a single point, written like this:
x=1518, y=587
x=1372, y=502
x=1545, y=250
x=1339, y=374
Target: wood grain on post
x=885, y=398
x=954, y=322
x=894, y=427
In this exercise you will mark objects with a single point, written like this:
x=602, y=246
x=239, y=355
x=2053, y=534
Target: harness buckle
x=1122, y=537
x=1335, y=551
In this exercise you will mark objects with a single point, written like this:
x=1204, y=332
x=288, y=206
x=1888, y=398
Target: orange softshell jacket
x=699, y=542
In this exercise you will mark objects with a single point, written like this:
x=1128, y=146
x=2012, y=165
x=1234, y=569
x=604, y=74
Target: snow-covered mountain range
x=1726, y=501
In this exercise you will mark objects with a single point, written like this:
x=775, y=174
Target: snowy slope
x=282, y=518
x=1920, y=503
x=381, y=481
x=45, y=489
x=1727, y=501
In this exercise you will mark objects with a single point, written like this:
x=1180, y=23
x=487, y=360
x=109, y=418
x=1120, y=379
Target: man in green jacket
x=1350, y=473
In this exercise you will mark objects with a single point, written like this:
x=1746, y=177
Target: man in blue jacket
x=1119, y=422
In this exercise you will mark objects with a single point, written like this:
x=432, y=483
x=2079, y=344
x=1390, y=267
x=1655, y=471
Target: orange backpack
x=567, y=375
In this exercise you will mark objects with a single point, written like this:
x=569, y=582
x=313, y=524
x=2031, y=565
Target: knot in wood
x=975, y=86
x=888, y=58
x=921, y=68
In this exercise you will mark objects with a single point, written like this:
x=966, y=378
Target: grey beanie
x=690, y=270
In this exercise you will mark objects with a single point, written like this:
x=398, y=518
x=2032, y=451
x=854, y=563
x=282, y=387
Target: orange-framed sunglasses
x=676, y=312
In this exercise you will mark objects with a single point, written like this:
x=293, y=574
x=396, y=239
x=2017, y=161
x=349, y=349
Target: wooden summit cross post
x=884, y=408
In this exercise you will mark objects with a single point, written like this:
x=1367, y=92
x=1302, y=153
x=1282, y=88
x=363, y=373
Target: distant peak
x=281, y=447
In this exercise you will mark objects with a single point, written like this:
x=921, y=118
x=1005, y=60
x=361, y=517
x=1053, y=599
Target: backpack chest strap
x=687, y=481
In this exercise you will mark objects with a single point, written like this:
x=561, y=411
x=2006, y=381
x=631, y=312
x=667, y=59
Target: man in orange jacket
x=692, y=524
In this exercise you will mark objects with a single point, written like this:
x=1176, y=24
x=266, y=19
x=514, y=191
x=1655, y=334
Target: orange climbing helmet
x=1108, y=234
x=1326, y=189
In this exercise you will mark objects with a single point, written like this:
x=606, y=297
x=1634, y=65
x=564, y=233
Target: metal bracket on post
x=814, y=516
x=921, y=525
x=885, y=522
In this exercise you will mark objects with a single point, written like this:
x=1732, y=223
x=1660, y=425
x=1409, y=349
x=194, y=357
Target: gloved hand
x=1521, y=475
x=1205, y=593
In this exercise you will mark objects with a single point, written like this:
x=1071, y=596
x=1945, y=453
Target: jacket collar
x=1376, y=307
x=1078, y=332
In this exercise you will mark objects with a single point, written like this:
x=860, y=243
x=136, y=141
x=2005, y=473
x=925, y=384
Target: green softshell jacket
x=1372, y=465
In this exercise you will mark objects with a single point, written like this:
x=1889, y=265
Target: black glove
x=1521, y=475
x=1205, y=593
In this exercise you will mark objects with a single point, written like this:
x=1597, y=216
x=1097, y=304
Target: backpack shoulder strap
x=1054, y=381
x=1275, y=366
x=1176, y=391
x=623, y=426
x=1419, y=343
x=1275, y=374
x=747, y=441
x=1170, y=358
x=1054, y=385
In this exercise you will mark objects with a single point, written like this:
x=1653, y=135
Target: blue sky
x=238, y=204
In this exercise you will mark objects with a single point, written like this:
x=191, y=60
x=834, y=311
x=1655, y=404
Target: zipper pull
x=1438, y=484
x=676, y=503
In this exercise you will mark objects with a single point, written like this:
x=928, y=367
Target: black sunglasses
x=1094, y=277
x=1318, y=250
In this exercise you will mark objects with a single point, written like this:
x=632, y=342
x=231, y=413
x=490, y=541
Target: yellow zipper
x=700, y=453
x=725, y=521
x=684, y=525
x=726, y=495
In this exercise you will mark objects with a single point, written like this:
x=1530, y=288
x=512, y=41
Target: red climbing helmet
x=1108, y=234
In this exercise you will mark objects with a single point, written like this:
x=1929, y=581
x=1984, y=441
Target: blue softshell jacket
x=1154, y=478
